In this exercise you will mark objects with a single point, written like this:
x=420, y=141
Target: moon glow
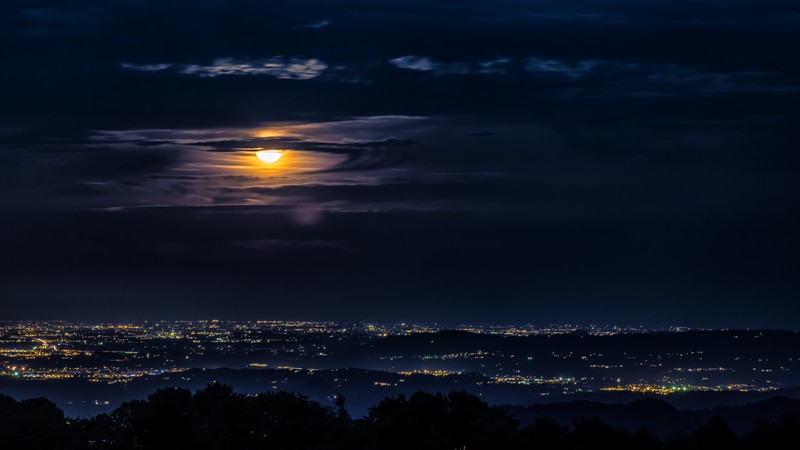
x=269, y=156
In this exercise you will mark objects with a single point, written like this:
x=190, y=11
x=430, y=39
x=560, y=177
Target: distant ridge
x=743, y=341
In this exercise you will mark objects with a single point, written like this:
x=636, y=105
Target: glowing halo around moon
x=269, y=156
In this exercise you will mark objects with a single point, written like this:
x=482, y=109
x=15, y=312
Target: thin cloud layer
x=278, y=67
x=146, y=67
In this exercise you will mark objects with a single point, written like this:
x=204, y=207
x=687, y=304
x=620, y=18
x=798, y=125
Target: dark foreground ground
x=216, y=417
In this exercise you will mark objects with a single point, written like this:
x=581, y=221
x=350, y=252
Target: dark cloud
x=111, y=164
x=410, y=194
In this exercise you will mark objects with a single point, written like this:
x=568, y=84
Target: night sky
x=628, y=162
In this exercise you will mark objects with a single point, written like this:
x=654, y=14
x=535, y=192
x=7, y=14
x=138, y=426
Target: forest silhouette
x=217, y=418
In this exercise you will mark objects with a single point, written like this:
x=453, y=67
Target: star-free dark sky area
x=456, y=161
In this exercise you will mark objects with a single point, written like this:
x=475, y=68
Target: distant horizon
x=445, y=326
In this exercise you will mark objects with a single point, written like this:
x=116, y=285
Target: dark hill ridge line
x=361, y=392
x=456, y=340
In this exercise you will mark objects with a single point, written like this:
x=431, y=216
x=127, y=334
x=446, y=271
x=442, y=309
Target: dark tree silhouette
x=717, y=434
x=437, y=421
x=217, y=418
x=546, y=433
x=31, y=424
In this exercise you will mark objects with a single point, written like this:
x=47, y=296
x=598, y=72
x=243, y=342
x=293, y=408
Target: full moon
x=269, y=156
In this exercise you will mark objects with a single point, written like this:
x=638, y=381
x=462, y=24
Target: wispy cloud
x=316, y=25
x=278, y=67
x=426, y=64
x=410, y=62
x=552, y=66
x=502, y=65
x=146, y=67
x=601, y=77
